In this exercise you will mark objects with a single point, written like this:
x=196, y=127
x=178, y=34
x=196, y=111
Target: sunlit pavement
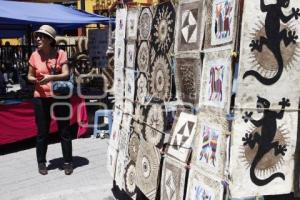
x=20, y=180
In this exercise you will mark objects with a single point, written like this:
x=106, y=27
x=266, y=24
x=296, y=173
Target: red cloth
x=17, y=122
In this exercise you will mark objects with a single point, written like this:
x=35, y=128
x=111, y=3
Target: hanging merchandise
x=182, y=137
x=187, y=80
x=160, y=79
x=173, y=179
x=147, y=168
x=145, y=23
x=189, y=27
x=216, y=80
x=143, y=57
x=266, y=113
x=163, y=27
x=132, y=24
x=221, y=22
x=155, y=124
x=201, y=186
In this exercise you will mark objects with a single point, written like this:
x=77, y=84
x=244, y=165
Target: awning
x=17, y=17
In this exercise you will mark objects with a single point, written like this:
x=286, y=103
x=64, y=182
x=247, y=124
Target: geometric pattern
x=182, y=137
x=189, y=27
x=173, y=179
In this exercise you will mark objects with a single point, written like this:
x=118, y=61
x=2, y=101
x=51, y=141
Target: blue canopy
x=18, y=17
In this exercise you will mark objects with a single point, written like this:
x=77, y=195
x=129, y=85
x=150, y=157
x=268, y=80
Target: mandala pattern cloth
x=261, y=75
x=139, y=117
x=143, y=57
x=145, y=23
x=187, y=80
x=221, y=22
x=182, y=137
x=173, y=179
x=160, y=80
x=133, y=146
x=129, y=179
x=215, y=92
x=163, y=25
x=201, y=186
x=155, y=125
x=147, y=168
x=190, y=26
x=210, y=144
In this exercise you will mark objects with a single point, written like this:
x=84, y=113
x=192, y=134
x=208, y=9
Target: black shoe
x=42, y=169
x=68, y=167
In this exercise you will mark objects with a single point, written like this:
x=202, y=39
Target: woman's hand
x=46, y=79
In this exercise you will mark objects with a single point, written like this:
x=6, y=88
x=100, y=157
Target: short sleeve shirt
x=41, y=66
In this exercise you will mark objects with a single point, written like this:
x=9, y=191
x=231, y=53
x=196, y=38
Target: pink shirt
x=44, y=67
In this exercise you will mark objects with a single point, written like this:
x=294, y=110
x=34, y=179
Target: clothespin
x=233, y=54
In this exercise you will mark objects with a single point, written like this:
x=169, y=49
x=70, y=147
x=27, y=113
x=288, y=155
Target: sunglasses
x=40, y=35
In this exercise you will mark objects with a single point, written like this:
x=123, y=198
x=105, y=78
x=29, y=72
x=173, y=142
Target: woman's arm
x=64, y=75
x=31, y=75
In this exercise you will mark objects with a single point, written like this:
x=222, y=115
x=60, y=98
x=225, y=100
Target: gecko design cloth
x=270, y=49
x=210, y=144
x=147, y=168
x=145, y=23
x=129, y=84
x=182, y=137
x=132, y=23
x=120, y=170
x=173, y=179
x=190, y=26
x=188, y=73
x=163, y=25
x=263, y=149
x=265, y=125
x=160, y=79
x=130, y=55
x=201, y=186
x=215, y=90
x=221, y=23
x=143, y=57
x=155, y=124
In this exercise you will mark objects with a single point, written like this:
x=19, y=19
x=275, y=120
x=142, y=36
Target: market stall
x=18, y=19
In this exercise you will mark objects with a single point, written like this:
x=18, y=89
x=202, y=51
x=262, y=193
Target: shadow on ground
x=57, y=163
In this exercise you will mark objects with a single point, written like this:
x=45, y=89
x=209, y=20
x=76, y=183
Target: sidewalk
x=20, y=180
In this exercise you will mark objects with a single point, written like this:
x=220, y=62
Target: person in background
x=41, y=62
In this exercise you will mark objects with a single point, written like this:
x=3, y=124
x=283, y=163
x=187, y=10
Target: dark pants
x=42, y=107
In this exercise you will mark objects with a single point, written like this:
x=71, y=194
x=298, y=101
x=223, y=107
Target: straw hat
x=47, y=30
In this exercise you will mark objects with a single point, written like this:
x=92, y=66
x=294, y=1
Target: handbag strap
x=53, y=69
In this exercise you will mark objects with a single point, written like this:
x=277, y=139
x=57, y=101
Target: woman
x=40, y=63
